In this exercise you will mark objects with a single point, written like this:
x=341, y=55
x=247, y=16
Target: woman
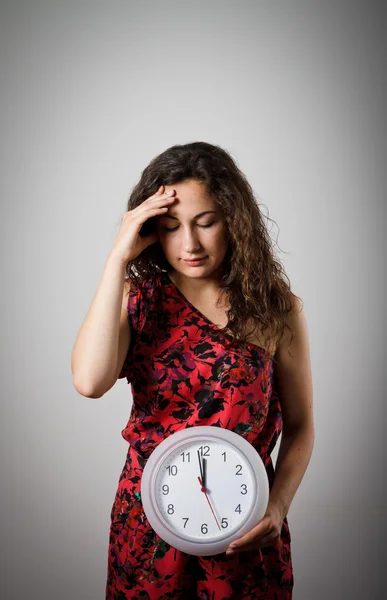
x=221, y=341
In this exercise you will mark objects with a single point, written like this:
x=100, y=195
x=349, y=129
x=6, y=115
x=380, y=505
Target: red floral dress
x=185, y=371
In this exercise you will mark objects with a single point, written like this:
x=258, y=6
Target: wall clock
x=203, y=487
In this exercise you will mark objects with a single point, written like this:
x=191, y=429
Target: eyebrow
x=206, y=212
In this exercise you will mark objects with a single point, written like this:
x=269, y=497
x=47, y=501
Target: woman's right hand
x=129, y=244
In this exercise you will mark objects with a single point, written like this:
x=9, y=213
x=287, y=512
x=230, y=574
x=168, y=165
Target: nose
x=191, y=243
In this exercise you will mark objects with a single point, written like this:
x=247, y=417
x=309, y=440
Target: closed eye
x=203, y=226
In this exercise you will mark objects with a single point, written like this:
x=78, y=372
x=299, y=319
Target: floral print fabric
x=184, y=371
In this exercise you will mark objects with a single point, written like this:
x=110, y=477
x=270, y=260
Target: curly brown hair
x=255, y=281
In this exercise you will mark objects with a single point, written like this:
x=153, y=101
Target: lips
x=194, y=259
x=194, y=263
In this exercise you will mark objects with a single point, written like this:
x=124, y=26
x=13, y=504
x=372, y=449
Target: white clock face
x=203, y=487
x=230, y=490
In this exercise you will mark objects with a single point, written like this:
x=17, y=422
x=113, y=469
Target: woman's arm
x=294, y=378
x=99, y=346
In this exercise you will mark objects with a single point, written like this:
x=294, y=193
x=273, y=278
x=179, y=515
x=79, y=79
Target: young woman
x=220, y=341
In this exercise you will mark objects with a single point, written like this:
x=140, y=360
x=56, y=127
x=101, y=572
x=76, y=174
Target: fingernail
x=230, y=551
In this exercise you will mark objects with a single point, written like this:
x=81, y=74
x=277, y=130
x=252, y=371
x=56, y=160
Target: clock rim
x=224, y=535
x=150, y=472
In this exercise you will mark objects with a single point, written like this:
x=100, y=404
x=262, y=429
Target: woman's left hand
x=266, y=533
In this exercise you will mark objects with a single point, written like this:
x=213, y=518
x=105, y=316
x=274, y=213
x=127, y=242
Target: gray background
x=90, y=93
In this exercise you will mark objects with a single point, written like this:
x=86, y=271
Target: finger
x=249, y=547
x=157, y=194
x=257, y=546
x=255, y=534
x=250, y=540
x=154, y=205
x=245, y=545
x=167, y=196
x=160, y=194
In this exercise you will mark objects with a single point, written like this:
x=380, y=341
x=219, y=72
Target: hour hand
x=202, y=476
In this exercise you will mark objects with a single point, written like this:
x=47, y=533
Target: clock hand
x=201, y=470
x=204, y=476
x=208, y=500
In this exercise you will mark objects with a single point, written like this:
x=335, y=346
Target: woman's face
x=185, y=233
